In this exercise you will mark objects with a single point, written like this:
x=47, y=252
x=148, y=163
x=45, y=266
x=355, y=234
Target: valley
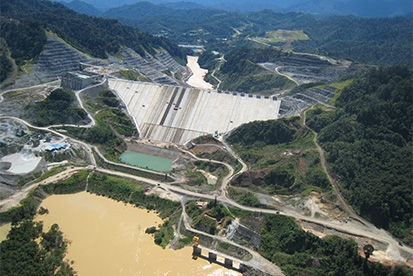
x=331, y=222
x=242, y=141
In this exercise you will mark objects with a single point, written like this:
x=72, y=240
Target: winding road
x=364, y=229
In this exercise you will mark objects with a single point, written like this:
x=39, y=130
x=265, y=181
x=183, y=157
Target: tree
x=368, y=250
x=21, y=254
x=368, y=141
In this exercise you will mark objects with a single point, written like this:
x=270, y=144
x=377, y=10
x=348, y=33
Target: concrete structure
x=79, y=80
x=218, y=258
x=212, y=256
x=176, y=114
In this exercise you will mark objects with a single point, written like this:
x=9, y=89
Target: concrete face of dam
x=174, y=114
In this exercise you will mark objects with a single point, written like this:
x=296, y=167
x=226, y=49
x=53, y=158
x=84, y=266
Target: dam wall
x=175, y=114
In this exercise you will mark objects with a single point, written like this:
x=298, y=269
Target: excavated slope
x=59, y=57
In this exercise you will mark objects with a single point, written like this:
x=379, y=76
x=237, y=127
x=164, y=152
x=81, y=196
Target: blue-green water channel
x=146, y=161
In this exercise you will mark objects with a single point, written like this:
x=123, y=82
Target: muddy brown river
x=108, y=238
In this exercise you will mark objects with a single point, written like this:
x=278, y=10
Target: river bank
x=108, y=237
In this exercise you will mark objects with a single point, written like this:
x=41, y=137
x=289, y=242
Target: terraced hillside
x=305, y=68
x=59, y=57
x=294, y=105
x=56, y=58
x=155, y=67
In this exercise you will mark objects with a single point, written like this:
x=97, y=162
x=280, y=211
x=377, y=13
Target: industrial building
x=55, y=147
x=79, y=79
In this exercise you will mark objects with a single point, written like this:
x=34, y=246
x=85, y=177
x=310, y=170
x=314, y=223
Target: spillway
x=175, y=114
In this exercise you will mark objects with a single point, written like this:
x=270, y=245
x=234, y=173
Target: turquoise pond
x=146, y=161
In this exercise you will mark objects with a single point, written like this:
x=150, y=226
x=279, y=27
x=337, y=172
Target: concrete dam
x=175, y=114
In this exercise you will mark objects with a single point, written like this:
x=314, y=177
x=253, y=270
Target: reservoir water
x=146, y=161
x=108, y=238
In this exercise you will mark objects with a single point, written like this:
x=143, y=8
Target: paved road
x=355, y=229
x=257, y=261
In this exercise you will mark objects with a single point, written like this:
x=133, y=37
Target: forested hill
x=23, y=23
x=378, y=41
x=369, y=140
x=369, y=8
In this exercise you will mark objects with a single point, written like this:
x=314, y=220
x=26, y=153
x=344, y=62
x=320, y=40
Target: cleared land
x=178, y=114
x=282, y=36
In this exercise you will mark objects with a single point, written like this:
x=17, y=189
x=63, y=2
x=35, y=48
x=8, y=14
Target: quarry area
x=24, y=153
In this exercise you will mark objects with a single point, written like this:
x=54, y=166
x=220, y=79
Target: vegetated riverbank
x=119, y=189
x=105, y=231
x=134, y=193
x=113, y=187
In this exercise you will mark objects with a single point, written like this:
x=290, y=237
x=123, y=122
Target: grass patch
x=133, y=75
x=185, y=241
x=51, y=172
x=245, y=197
x=306, y=192
x=284, y=166
x=224, y=245
x=211, y=219
x=282, y=36
x=129, y=75
x=339, y=86
x=195, y=178
x=285, y=35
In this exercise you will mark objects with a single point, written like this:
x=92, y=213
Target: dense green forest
x=22, y=40
x=58, y=108
x=24, y=22
x=264, y=133
x=379, y=41
x=241, y=72
x=301, y=253
x=368, y=140
x=112, y=125
x=6, y=66
x=30, y=251
x=179, y=25
x=25, y=37
x=281, y=156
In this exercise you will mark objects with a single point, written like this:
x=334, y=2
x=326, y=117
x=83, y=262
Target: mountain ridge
x=24, y=25
x=93, y=35
x=367, y=8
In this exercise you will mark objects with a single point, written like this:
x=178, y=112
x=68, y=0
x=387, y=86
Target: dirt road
x=394, y=251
